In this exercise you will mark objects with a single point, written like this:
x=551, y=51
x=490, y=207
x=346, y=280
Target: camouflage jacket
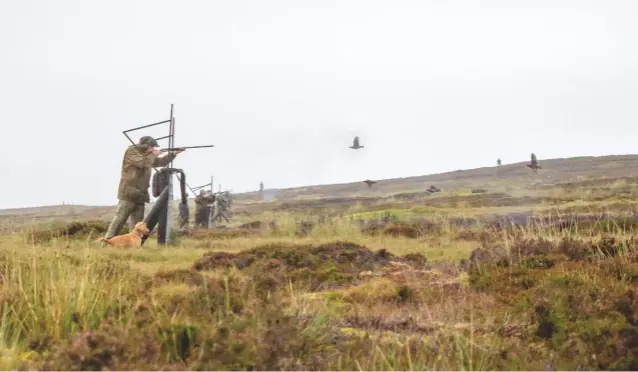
x=203, y=200
x=136, y=173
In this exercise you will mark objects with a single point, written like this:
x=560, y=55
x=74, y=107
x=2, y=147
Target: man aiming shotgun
x=135, y=179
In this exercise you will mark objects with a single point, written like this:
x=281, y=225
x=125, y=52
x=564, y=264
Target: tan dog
x=132, y=239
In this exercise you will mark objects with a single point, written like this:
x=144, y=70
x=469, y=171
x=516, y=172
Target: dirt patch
x=373, y=227
x=413, y=230
x=398, y=230
x=259, y=225
x=252, y=225
x=414, y=258
x=190, y=277
x=489, y=255
x=484, y=236
x=220, y=233
x=213, y=260
x=385, y=323
x=322, y=266
x=532, y=247
x=73, y=229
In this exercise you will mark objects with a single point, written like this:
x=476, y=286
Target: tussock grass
x=341, y=289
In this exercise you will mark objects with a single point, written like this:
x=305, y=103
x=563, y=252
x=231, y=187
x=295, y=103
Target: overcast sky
x=281, y=88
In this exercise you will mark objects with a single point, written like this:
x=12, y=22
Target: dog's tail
x=104, y=240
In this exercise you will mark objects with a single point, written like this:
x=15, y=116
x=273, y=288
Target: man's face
x=151, y=149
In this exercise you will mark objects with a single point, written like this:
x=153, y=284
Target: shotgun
x=187, y=147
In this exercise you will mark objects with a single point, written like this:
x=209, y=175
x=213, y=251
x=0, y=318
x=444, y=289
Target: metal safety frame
x=164, y=203
x=165, y=222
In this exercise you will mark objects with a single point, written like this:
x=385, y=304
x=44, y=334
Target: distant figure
x=432, y=189
x=261, y=186
x=534, y=164
x=203, y=207
x=370, y=183
x=498, y=162
x=355, y=144
x=221, y=207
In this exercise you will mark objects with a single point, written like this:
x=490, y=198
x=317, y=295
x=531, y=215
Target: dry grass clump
x=317, y=267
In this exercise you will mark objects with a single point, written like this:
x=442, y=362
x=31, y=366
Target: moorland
x=503, y=268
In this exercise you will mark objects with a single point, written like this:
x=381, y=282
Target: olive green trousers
x=125, y=209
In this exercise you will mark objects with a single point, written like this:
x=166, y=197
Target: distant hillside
x=554, y=170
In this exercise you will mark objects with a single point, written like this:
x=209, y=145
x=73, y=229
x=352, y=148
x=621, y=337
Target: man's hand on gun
x=158, y=152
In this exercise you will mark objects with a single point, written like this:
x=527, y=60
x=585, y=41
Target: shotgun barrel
x=186, y=147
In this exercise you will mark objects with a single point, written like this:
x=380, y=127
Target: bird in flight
x=534, y=163
x=355, y=144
